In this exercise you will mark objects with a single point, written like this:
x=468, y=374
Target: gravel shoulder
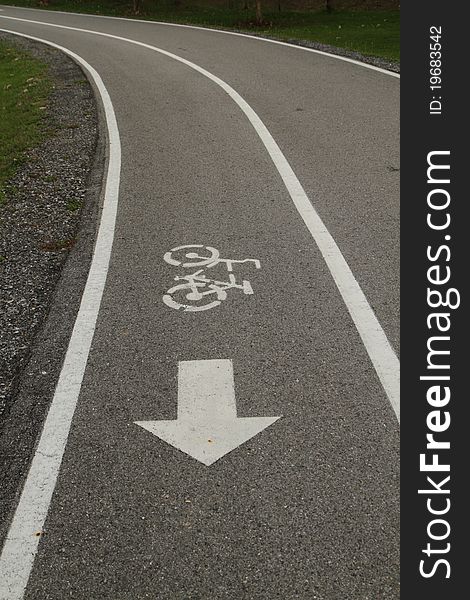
x=371, y=60
x=47, y=232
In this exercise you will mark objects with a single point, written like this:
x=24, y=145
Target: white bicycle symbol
x=202, y=292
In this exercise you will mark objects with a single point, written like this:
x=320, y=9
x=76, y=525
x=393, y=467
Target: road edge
x=34, y=392
x=315, y=47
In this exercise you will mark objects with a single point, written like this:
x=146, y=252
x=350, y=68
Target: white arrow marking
x=207, y=426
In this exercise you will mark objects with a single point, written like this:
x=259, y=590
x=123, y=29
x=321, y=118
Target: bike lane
x=337, y=123
x=306, y=508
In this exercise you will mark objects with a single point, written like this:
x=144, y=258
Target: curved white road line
x=237, y=33
x=23, y=537
x=21, y=544
x=373, y=336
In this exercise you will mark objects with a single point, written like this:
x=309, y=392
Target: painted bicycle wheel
x=198, y=255
x=178, y=296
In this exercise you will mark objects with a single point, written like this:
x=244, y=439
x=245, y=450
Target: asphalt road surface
x=235, y=430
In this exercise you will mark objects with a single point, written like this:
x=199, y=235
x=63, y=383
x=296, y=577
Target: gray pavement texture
x=308, y=508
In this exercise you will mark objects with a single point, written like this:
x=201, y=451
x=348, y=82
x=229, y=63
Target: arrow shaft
x=206, y=390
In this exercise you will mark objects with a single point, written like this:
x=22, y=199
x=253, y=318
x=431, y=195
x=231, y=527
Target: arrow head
x=207, y=442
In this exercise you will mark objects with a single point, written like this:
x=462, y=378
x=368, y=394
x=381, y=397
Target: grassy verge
x=24, y=88
x=373, y=33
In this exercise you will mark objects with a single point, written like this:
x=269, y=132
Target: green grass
x=73, y=205
x=374, y=33
x=371, y=33
x=24, y=88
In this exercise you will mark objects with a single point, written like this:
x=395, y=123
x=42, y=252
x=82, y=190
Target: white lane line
x=236, y=33
x=21, y=543
x=373, y=336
